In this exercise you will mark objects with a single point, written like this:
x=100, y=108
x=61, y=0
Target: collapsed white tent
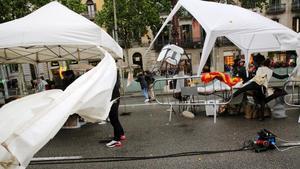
x=53, y=32
x=248, y=30
x=171, y=54
x=27, y=124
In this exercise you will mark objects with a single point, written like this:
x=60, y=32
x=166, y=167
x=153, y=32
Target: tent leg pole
x=37, y=70
x=170, y=113
x=4, y=82
x=124, y=100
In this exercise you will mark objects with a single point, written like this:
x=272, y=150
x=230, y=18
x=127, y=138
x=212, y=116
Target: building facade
x=189, y=35
x=285, y=12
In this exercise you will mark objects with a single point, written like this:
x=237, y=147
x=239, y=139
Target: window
x=54, y=63
x=296, y=24
x=13, y=68
x=274, y=2
x=94, y=62
x=275, y=19
x=296, y=1
x=186, y=32
x=91, y=8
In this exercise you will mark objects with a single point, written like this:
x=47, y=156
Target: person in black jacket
x=114, y=119
x=149, y=79
x=144, y=86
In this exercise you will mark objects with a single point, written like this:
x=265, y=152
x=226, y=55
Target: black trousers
x=114, y=120
x=277, y=93
x=252, y=86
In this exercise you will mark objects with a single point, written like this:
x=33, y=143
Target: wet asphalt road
x=149, y=134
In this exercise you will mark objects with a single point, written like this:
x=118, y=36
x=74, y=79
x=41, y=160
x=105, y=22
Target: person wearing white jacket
x=259, y=85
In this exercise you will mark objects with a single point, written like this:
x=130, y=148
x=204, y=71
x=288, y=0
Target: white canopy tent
x=53, y=32
x=248, y=30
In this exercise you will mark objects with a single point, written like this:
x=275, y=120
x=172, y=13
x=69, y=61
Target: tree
x=13, y=9
x=134, y=16
x=74, y=5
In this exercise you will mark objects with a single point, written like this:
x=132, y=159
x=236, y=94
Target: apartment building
x=92, y=7
x=286, y=12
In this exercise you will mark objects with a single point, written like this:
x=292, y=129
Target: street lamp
x=115, y=22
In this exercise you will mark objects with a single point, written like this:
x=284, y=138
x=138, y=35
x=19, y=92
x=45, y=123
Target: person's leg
x=260, y=99
x=145, y=92
x=248, y=87
x=151, y=92
x=277, y=93
x=261, y=114
x=114, y=120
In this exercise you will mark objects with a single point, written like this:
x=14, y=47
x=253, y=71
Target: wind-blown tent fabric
x=27, y=124
x=53, y=32
x=248, y=30
x=171, y=54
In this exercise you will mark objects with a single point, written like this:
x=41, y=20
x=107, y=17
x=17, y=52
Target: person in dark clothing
x=144, y=86
x=114, y=119
x=58, y=82
x=235, y=67
x=69, y=77
x=149, y=79
x=241, y=71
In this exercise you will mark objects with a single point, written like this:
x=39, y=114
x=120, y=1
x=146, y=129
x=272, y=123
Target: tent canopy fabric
x=53, y=32
x=28, y=123
x=81, y=67
x=249, y=31
x=171, y=54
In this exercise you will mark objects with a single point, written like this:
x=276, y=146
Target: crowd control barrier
x=189, y=92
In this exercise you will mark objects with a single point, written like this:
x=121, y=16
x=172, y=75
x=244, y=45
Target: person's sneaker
x=123, y=137
x=147, y=100
x=114, y=143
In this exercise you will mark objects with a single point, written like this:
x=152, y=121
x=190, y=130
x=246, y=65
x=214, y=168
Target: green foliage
x=253, y=3
x=13, y=9
x=133, y=17
x=74, y=5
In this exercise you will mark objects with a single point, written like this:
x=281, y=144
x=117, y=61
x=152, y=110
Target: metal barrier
x=190, y=91
x=292, y=87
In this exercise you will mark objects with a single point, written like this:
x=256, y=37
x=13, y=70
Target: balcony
x=223, y=41
x=190, y=43
x=296, y=6
x=275, y=9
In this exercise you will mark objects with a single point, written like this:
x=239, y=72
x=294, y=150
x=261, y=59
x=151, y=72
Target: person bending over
x=259, y=85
